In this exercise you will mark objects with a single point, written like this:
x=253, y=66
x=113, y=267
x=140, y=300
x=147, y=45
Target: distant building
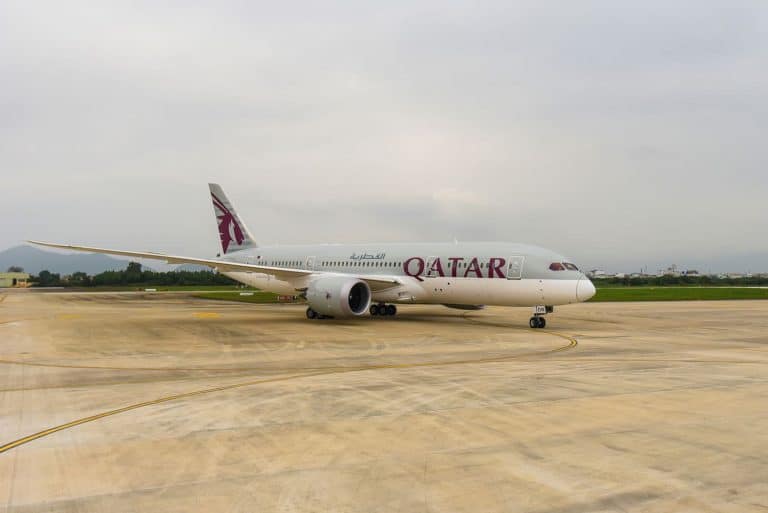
x=14, y=280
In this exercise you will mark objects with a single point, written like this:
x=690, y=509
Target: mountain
x=34, y=260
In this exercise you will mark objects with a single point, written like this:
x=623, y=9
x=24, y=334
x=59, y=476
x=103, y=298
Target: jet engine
x=338, y=296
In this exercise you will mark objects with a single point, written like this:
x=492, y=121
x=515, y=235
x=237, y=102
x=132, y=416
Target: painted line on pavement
x=572, y=343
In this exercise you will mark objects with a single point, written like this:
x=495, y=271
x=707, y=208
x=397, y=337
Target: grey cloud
x=616, y=132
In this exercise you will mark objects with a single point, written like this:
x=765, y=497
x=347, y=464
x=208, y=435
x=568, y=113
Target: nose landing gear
x=538, y=321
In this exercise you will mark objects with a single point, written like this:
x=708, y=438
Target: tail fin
x=233, y=233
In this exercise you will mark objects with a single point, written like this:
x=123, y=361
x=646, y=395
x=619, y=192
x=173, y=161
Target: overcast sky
x=619, y=133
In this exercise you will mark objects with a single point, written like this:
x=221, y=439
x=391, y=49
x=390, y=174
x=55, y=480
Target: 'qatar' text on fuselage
x=417, y=267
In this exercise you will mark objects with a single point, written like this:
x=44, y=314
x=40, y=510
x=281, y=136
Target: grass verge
x=140, y=287
x=609, y=294
x=257, y=297
x=678, y=293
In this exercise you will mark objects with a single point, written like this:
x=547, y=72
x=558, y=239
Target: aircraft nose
x=584, y=289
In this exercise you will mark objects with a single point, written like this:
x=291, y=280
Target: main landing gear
x=382, y=309
x=311, y=314
x=538, y=321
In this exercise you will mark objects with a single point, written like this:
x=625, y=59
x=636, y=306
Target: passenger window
x=556, y=266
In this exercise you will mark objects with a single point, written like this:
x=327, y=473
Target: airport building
x=14, y=280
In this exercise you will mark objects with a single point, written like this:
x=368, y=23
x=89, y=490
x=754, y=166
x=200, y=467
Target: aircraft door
x=515, y=267
x=311, y=263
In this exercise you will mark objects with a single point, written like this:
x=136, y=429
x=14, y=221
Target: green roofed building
x=14, y=280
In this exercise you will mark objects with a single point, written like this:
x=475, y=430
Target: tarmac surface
x=159, y=402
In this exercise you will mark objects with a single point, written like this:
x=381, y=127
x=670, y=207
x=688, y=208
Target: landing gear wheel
x=311, y=314
x=374, y=309
x=391, y=309
x=537, y=322
x=542, y=322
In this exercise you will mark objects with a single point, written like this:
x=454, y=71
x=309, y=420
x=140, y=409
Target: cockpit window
x=556, y=266
x=570, y=266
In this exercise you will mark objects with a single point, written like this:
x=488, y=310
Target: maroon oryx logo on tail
x=229, y=229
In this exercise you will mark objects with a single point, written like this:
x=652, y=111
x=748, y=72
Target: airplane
x=351, y=280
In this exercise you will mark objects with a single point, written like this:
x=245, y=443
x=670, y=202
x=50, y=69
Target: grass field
x=603, y=294
x=159, y=288
x=257, y=297
x=678, y=293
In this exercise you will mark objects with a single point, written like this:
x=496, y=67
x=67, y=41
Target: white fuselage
x=453, y=274
x=344, y=279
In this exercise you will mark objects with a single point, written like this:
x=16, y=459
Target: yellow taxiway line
x=50, y=431
x=572, y=343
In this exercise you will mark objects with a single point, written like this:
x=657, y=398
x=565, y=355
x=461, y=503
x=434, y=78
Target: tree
x=133, y=273
x=15, y=269
x=79, y=278
x=48, y=279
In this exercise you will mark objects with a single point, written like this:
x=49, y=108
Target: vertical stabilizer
x=233, y=233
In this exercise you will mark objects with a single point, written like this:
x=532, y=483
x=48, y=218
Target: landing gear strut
x=382, y=309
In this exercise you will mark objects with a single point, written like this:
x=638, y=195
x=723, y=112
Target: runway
x=161, y=402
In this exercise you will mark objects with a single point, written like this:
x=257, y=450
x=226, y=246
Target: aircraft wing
x=376, y=283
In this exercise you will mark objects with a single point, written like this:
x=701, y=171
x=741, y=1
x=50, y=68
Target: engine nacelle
x=339, y=296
